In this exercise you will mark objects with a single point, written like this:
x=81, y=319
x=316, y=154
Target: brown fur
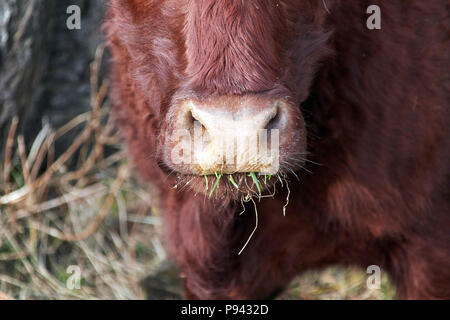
x=375, y=189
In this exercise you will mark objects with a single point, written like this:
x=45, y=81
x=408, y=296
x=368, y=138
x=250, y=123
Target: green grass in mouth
x=233, y=182
x=256, y=182
x=230, y=177
x=218, y=176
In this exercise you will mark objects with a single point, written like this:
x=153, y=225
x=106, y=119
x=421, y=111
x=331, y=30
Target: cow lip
x=225, y=187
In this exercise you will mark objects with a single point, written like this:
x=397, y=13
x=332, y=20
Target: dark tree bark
x=44, y=66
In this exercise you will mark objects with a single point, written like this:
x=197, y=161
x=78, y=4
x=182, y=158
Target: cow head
x=225, y=80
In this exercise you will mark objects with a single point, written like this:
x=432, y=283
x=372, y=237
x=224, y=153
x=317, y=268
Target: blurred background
x=74, y=223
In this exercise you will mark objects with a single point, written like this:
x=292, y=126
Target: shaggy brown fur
x=375, y=184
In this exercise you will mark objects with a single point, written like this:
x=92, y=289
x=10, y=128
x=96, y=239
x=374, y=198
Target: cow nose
x=221, y=123
x=234, y=134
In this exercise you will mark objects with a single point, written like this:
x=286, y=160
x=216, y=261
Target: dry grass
x=78, y=209
x=338, y=283
x=82, y=209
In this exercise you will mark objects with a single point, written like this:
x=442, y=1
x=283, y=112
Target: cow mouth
x=237, y=186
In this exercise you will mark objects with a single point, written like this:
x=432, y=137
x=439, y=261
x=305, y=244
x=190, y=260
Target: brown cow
x=363, y=123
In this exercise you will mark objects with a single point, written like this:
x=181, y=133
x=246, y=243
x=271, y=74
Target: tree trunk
x=44, y=66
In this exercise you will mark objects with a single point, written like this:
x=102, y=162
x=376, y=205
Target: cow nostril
x=192, y=122
x=198, y=128
x=274, y=122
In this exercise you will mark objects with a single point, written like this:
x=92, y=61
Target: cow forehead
x=232, y=44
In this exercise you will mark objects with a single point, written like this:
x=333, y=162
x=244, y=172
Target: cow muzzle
x=227, y=135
